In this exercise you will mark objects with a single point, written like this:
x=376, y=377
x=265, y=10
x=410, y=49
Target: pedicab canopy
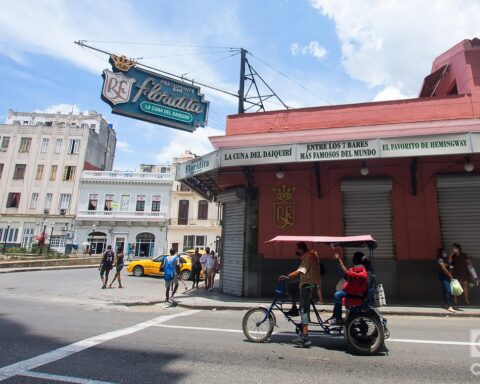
x=351, y=241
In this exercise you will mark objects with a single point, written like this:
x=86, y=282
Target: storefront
x=404, y=171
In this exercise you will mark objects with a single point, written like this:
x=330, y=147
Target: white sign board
x=258, y=155
x=426, y=145
x=198, y=165
x=338, y=150
x=475, y=137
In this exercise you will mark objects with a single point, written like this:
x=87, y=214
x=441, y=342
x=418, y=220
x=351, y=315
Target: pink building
x=405, y=171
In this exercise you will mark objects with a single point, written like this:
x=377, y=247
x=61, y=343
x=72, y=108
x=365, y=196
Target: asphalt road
x=59, y=326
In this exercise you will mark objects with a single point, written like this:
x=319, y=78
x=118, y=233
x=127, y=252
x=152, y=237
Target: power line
x=213, y=62
x=184, y=54
x=159, y=44
x=292, y=80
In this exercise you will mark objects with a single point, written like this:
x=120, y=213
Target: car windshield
x=159, y=258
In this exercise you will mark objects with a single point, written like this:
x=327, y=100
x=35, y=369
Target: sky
x=311, y=53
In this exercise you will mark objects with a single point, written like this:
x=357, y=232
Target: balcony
x=131, y=176
x=195, y=222
x=121, y=215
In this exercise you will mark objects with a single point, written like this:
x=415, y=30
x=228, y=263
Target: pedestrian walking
x=211, y=265
x=170, y=267
x=196, y=267
x=203, y=262
x=106, y=265
x=118, y=266
x=460, y=263
x=445, y=277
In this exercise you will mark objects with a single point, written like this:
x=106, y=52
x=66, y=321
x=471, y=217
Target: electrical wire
x=159, y=44
x=213, y=62
x=290, y=79
x=183, y=54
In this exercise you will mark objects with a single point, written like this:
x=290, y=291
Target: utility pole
x=241, y=89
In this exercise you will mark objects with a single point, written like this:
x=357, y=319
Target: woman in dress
x=119, y=266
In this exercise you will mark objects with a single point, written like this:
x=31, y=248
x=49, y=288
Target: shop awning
x=352, y=241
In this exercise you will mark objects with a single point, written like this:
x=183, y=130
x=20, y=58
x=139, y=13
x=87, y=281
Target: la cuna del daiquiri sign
x=147, y=96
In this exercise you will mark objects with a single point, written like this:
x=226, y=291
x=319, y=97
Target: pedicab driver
x=309, y=272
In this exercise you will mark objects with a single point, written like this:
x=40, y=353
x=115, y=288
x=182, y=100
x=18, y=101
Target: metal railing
x=116, y=214
x=113, y=175
x=195, y=221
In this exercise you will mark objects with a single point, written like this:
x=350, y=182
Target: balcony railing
x=125, y=215
x=113, y=175
x=195, y=221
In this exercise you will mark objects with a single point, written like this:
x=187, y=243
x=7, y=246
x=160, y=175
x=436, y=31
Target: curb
x=211, y=307
x=53, y=268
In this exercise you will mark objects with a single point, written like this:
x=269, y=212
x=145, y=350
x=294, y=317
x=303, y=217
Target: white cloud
x=313, y=48
x=124, y=147
x=62, y=108
x=393, y=42
x=390, y=93
x=197, y=142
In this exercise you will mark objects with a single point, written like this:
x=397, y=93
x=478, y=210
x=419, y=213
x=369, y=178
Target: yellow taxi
x=151, y=267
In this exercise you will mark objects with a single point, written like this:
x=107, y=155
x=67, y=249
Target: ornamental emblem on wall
x=284, y=207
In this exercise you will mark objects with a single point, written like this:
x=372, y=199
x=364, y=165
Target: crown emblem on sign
x=122, y=63
x=284, y=193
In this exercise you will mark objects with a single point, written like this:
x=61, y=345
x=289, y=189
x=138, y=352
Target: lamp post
x=51, y=234
x=5, y=238
x=91, y=239
x=45, y=222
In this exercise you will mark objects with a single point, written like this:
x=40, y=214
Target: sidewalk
x=214, y=300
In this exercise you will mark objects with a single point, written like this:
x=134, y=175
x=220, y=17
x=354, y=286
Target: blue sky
x=318, y=52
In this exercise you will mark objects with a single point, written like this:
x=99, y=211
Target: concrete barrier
x=94, y=260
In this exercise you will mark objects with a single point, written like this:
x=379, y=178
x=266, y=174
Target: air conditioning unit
x=46, y=211
x=63, y=211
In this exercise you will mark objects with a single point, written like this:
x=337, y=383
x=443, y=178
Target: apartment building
x=42, y=157
x=128, y=210
x=194, y=221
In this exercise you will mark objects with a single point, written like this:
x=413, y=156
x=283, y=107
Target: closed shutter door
x=233, y=243
x=459, y=211
x=367, y=210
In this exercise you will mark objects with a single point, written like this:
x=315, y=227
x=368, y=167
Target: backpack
x=109, y=255
x=169, y=270
x=356, y=283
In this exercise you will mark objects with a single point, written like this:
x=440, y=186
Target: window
x=140, y=203
x=124, y=203
x=5, y=142
x=1, y=170
x=53, y=172
x=48, y=123
x=44, y=147
x=183, y=212
x=13, y=200
x=11, y=236
x=39, y=174
x=65, y=199
x=108, y=202
x=93, y=202
x=203, y=210
x=19, y=172
x=25, y=143
x=34, y=201
x=192, y=241
x=57, y=242
x=69, y=173
x=48, y=201
x=58, y=146
x=73, y=146
x=156, y=201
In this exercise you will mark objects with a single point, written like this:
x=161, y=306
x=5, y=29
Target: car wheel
x=137, y=271
x=186, y=274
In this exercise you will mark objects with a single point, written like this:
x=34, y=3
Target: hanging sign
x=198, y=165
x=147, y=96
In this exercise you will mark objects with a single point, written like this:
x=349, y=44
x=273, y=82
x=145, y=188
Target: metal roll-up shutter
x=367, y=209
x=233, y=238
x=459, y=211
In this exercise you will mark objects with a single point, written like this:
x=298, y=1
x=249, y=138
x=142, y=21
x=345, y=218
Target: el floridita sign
x=147, y=96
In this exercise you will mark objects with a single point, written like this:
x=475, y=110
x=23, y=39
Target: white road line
x=60, y=353
x=414, y=341
x=65, y=379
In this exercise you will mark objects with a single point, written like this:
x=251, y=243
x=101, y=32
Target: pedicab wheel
x=364, y=334
x=255, y=327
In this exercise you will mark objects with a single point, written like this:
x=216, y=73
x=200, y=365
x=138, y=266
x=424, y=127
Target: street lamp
x=91, y=239
x=45, y=222
x=51, y=234
x=5, y=238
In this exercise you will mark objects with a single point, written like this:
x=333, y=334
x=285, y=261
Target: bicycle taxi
x=364, y=328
